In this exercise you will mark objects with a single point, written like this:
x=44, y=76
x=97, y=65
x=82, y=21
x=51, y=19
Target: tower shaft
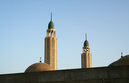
x=51, y=51
x=86, y=60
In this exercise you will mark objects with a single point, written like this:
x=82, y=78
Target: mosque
x=47, y=72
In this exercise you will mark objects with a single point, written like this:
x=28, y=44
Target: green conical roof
x=51, y=25
x=86, y=43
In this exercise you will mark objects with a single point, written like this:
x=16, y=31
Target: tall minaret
x=86, y=56
x=51, y=43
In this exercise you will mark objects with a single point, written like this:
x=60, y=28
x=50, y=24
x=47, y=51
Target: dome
x=37, y=67
x=86, y=43
x=112, y=64
x=122, y=61
x=51, y=25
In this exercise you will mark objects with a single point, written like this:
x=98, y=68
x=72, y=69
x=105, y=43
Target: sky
x=23, y=25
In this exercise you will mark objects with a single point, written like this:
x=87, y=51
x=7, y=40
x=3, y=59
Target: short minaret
x=86, y=56
x=51, y=49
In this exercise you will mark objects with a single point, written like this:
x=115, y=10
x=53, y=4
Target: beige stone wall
x=118, y=74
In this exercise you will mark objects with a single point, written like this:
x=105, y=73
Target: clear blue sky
x=23, y=25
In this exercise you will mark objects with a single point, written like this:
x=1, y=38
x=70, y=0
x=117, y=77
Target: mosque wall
x=118, y=74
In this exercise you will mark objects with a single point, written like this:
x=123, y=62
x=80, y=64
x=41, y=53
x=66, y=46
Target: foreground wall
x=119, y=74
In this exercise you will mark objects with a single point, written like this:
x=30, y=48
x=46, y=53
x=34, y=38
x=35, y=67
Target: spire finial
x=85, y=36
x=51, y=16
x=40, y=60
x=121, y=54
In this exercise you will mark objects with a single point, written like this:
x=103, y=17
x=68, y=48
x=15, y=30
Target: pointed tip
x=85, y=36
x=51, y=16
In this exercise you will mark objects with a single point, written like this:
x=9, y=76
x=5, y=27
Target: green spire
x=51, y=24
x=86, y=43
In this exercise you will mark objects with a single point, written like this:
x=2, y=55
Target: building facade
x=86, y=56
x=51, y=49
x=117, y=74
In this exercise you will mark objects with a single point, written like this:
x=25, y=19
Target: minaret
x=51, y=43
x=86, y=56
